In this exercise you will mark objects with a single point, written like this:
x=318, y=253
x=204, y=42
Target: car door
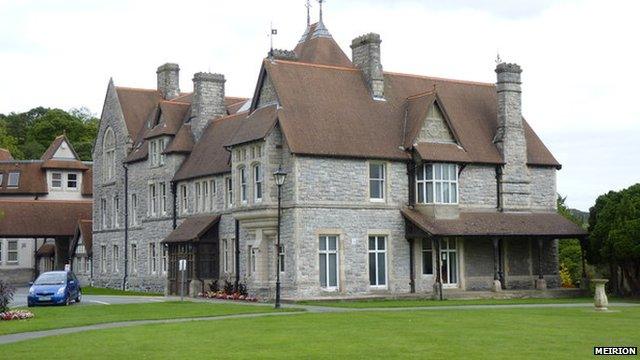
x=71, y=285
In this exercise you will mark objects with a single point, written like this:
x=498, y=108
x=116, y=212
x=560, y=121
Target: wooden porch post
x=541, y=284
x=437, y=287
x=496, y=286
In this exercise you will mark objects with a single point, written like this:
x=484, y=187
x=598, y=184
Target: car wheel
x=67, y=301
x=79, y=297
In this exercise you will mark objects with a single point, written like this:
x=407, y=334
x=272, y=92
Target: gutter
x=126, y=225
x=237, y=260
x=174, y=195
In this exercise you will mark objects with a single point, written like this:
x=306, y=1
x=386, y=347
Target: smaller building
x=81, y=252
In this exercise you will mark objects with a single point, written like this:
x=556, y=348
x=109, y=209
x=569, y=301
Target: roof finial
x=308, y=6
x=320, y=2
x=498, y=59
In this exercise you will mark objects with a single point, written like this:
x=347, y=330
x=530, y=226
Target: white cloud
x=579, y=59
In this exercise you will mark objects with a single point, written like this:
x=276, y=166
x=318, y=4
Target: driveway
x=20, y=299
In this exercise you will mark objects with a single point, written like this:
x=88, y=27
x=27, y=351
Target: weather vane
x=308, y=6
x=498, y=59
x=320, y=2
x=271, y=34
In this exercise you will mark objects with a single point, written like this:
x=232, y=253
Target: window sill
x=377, y=200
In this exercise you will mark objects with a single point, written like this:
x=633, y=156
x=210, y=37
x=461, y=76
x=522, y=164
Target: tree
x=569, y=250
x=30, y=133
x=614, y=225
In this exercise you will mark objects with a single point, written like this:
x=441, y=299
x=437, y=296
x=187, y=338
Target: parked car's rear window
x=51, y=279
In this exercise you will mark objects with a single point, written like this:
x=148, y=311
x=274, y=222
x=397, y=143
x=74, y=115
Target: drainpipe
x=237, y=254
x=412, y=280
x=498, y=192
x=174, y=195
x=126, y=224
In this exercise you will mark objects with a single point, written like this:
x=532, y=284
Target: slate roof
x=192, y=228
x=42, y=218
x=550, y=225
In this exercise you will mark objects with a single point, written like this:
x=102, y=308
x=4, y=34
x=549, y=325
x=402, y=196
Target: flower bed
x=221, y=295
x=16, y=315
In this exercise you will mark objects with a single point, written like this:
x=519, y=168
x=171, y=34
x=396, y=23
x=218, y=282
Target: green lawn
x=394, y=303
x=532, y=333
x=53, y=317
x=105, y=291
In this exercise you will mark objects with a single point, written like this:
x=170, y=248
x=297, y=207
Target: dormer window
x=437, y=184
x=56, y=180
x=156, y=152
x=72, y=181
x=14, y=179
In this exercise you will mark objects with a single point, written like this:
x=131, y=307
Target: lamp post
x=279, y=177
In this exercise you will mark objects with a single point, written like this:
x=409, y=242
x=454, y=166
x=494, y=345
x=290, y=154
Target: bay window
x=437, y=184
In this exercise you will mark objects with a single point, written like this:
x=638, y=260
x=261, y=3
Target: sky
x=580, y=59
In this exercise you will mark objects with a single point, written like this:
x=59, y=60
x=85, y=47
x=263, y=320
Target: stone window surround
x=153, y=258
x=257, y=180
x=133, y=209
x=133, y=258
x=433, y=181
x=243, y=185
x=389, y=254
x=228, y=183
x=156, y=152
x=103, y=258
x=386, y=256
x=108, y=155
x=115, y=254
x=116, y=212
x=385, y=179
x=152, y=202
x=184, y=198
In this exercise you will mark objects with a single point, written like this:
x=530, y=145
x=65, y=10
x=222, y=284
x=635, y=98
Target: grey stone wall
x=169, y=80
x=477, y=187
x=543, y=188
x=267, y=93
x=435, y=128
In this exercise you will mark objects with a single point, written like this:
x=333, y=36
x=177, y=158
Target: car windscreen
x=51, y=279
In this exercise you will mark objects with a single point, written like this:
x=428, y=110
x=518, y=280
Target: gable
x=435, y=127
x=64, y=152
x=266, y=93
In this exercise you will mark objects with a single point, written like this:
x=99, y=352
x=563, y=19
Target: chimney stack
x=510, y=139
x=169, y=80
x=207, y=102
x=365, y=55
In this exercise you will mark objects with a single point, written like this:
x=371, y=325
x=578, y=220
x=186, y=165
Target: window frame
x=133, y=210
x=103, y=258
x=152, y=206
x=327, y=252
x=258, y=180
x=376, y=252
x=382, y=181
x=242, y=177
x=108, y=154
x=13, y=175
x=103, y=213
x=53, y=175
x=229, y=191
x=15, y=252
x=153, y=253
x=115, y=258
x=423, y=181
x=281, y=256
x=116, y=212
x=133, y=259
x=426, y=252
x=76, y=181
x=163, y=198
x=184, y=199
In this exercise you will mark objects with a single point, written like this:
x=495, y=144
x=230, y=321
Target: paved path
x=20, y=299
x=11, y=338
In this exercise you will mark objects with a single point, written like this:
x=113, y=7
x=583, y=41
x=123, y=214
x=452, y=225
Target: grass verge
x=447, y=334
x=53, y=317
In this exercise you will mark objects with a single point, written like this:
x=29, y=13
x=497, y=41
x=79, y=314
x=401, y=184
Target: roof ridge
x=419, y=95
x=135, y=88
x=469, y=82
x=23, y=201
x=174, y=102
x=315, y=65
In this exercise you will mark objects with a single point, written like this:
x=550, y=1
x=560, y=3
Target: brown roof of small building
x=84, y=228
x=551, y=225
x=42, y=218
x=320, y=50
x=46, y=250
x=5, y=155
x=32, y=178
x=209, y=155
x=192, y=228
x=64, y=164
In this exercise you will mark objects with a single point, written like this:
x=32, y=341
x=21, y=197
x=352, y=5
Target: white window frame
x=1, y=243
x=205, y=196
x=258, y=180
x=15, y=252
x=327, y=252
x=437, y=196
x=103, y=258
x=59, y=180
x=380, y=181
x=153, y=256
x=163, y=198
x=116, y=212
x=153, y=200
x=103, y=213
x=133, y=210
x=108, y=152
x=377, y=251
x=165, y=259
x=76, y=181
x=212, y=193
x=13, y=175
x=229, y=191
x=198, y=197
x=253, y=254
x=133, y=259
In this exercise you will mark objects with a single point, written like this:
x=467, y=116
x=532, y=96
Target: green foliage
x=614, y=223
x=27, y=135
x=569, y=249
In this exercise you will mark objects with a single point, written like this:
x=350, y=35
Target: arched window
x=109, y=155
x=257, y=182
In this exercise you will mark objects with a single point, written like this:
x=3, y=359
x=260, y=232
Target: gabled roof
x=84, y=229
x=5, y=155
x=182, y=142
x=32, y=178
x=42, y=218
x=317, y=46
x=192, y=228
x=136, y=105
x=255, y=126
x=552, y=225
x=46, y=249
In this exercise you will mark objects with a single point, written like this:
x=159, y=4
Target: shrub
x=242, y=289
x=6, y=295
x=565, y=277
x=215, y=287
x=228, y=287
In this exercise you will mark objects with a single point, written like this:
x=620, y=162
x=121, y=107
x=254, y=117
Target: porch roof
x=192, y=228
x=487, y=224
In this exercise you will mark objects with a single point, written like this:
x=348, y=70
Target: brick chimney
x=169, y=80
x=365, y=55
x=208, y=101
x=515, y=185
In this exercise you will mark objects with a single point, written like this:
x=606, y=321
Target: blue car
x=55, y=288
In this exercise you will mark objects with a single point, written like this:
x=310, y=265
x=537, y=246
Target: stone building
x=395, y=182
x=41, y=203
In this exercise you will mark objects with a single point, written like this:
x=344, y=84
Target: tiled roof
x=496, y=224
x=84, y=229
x=42, y=218
x=192, y=228
x=320, y=49
x=5, y=155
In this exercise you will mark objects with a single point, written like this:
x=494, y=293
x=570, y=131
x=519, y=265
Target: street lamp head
x=279, y=176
